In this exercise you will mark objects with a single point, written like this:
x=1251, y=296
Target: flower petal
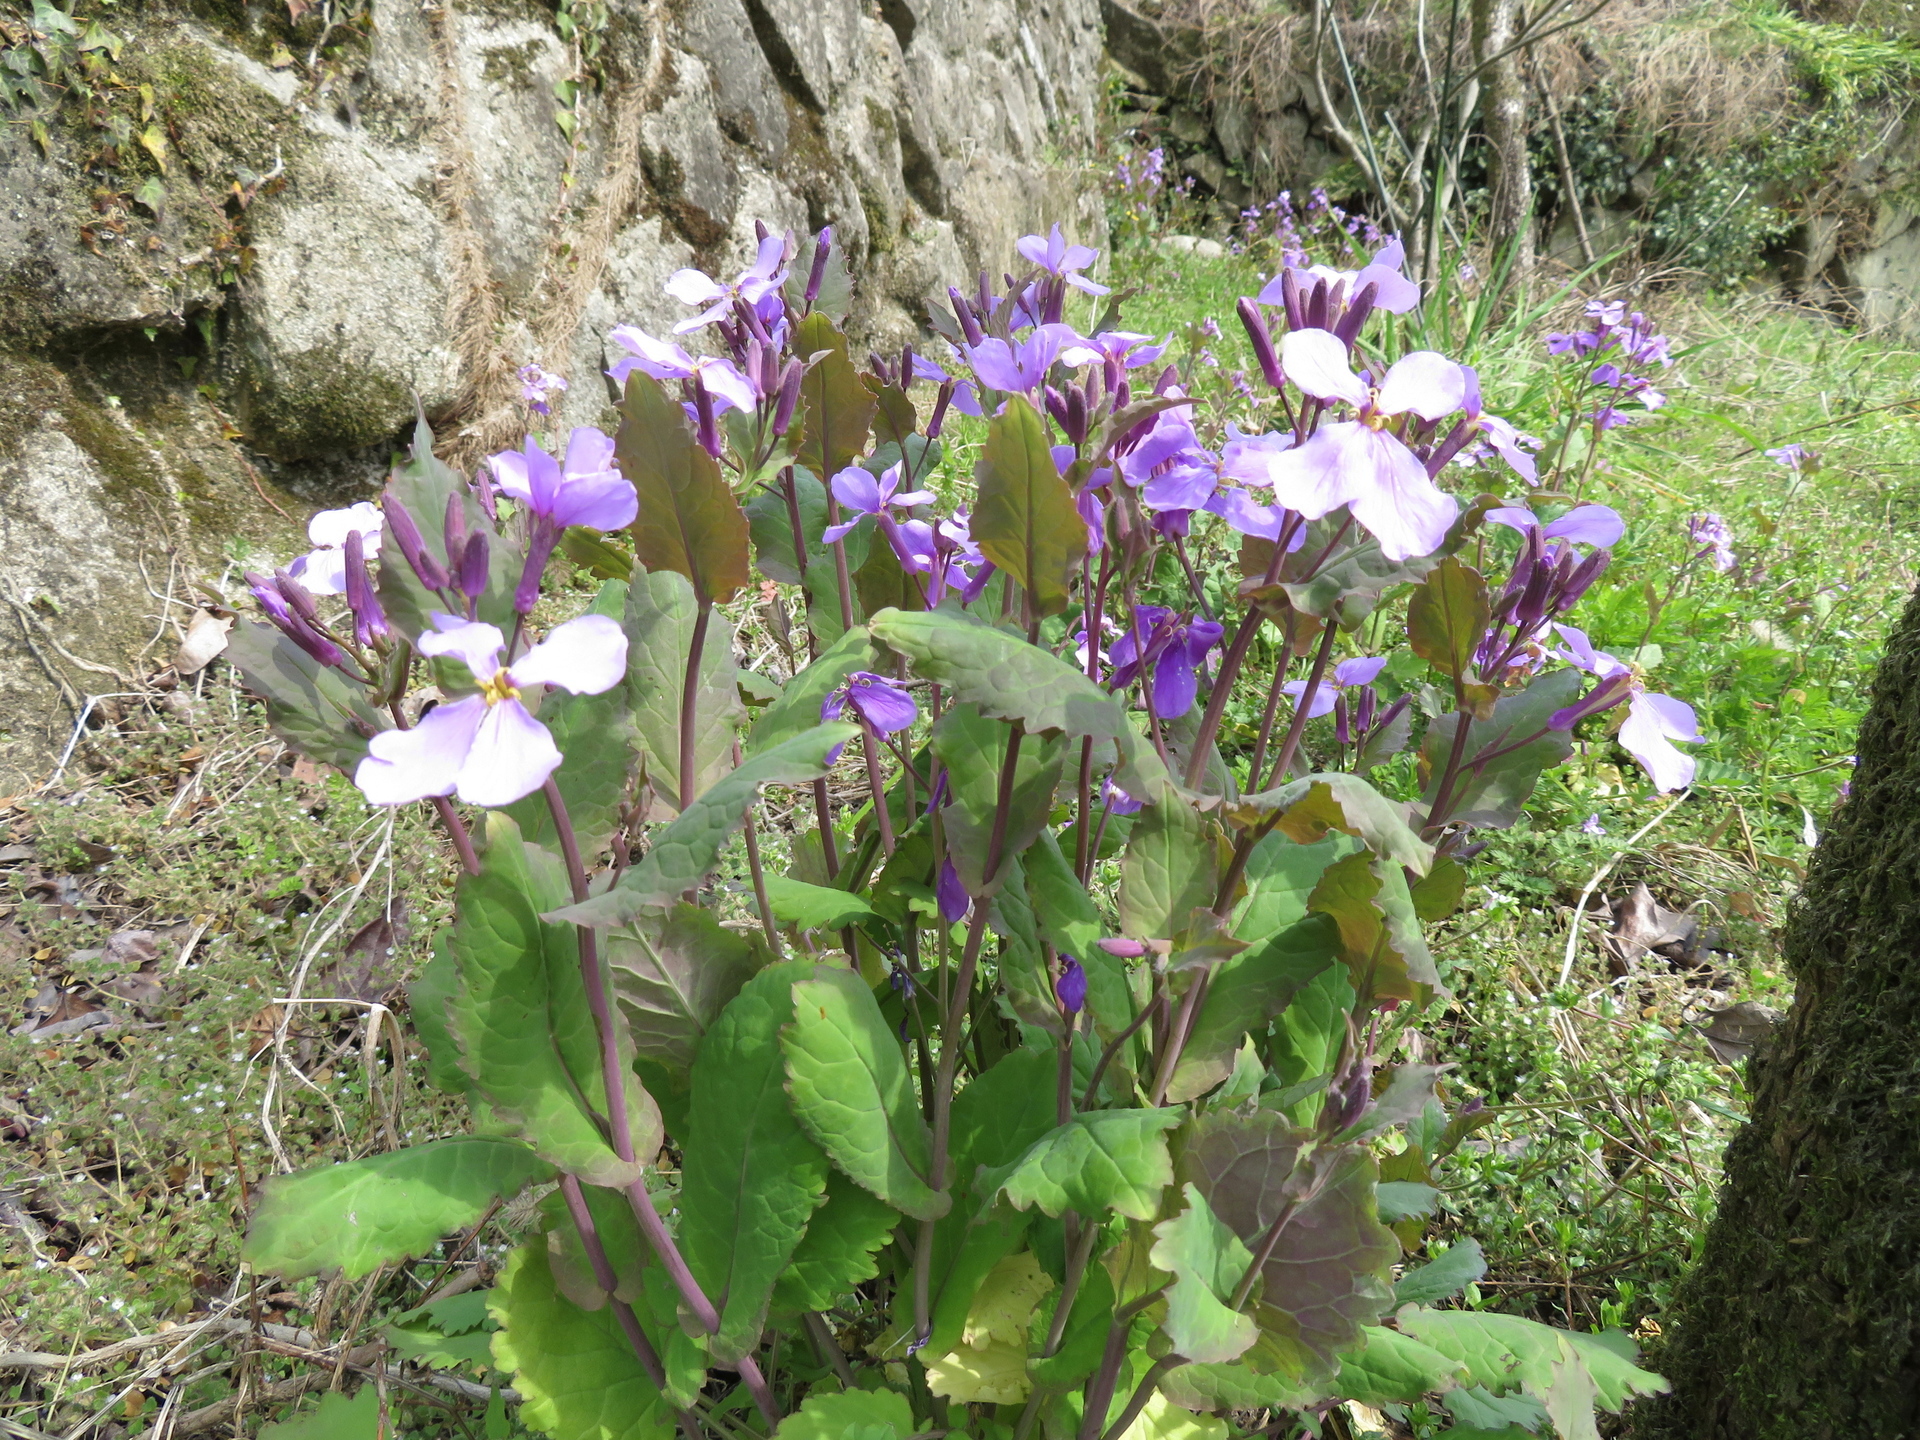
x=403, y=765
x=1319, y=476
x=727, y=385
x=1596, y=525
x=512, y=756
x=1393, y=292
x=857, y=489
x=1644, y=737
x=692, y=287
x=1425, y=382
x=1359, y=672
x=1317, y=362
x=1323, y=697
x=1397, y=500
x=1677, y=720
x=473, y=642
x=586, y=656
x=322, y=572
x=331, y=527
x=885, y=707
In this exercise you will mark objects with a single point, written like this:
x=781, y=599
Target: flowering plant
x=1063, y=1085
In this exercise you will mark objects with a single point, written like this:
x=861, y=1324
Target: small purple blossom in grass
x=1054, y=255
x=1359, y=462
x=875, y=699
x=1592, y=826
x=1794, y=456
x=1505, y=440
x=1710, y=537
x=951, y=894
x=1071, y=988
x=664, y=360
x=756, y=283
x=1597, y=525
x=1653, y=721
x=586, y=489
x=323, y=570
x=487, y=747
x=1348, y=674
x=537, y=387
x=861, y=494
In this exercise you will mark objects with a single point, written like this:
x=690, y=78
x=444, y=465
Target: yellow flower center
x=499, y=688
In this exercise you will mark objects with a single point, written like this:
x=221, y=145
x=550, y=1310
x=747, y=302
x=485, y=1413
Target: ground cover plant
x=1277, y=1061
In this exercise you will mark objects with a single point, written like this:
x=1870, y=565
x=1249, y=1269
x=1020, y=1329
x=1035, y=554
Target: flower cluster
x=1619, y=344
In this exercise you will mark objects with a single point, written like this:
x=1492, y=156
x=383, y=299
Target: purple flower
x=1597, y=525
x=1506, y=441
x=951, y=894
x=1071, y=988
x=1393, y=292
x=1795, y=457
x=488, y=747
x=1653, y=721
x=1171, y=650
x=323, y=570
x=536, y=386
x=1360, y=463
x=759, y=281
x=1054, y=255
x=875, y=699
x=1020, y=365
x=1711, y=537
x=862, y=495
x=664, y=360
x=1125, y=348
x=1346, y=675
x=1119, y=801
x=588, y=489
x=1592, y=826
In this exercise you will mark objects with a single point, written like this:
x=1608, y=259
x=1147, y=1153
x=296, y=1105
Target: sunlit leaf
x=1506, y=1352
x=1246, y=992
x=1170, y=869
x=840, y=1249
x=689, y=520
x=339, y=1416
x=673, y=973
x=1208, y=1263
x=1024, y=518
x=814, y=907
x=1314, y=805
x=849, y=1415
x=661, y=613
x=1443, y=1277
x=1447, y=617
x=1391, y=1368
x=836, y=407
x=1098, y=1161
x=1379, y=935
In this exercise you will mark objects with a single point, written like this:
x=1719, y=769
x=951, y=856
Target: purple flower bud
x=309, y=639
x=1578, y=583
x=1358, y=309
x=1077, y=407
x=1057, y=407
x=940, y=403
x=1391, y=713
x=1071, y=988
x=963, y=312
x=297, y=597
x=952, y=895
x=1290, y=299
x=369, y=620
x=708, y=432
x=1316, y=306
x=270, y=599
x=539, y=549
x=1256, y=327
x=473, y=567
x=1342, y=720
x=1123, y=949
x=406, y=535
x=822, y=249
x=789, y=396
x=1456, y=441
x=454, y=531
x=906, y=368
x=1604, y=696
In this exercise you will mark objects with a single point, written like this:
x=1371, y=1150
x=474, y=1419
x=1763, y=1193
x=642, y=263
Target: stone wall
x=177, y=388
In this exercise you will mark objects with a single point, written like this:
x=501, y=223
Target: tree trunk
x=1802, y=1318
x=1496, y=25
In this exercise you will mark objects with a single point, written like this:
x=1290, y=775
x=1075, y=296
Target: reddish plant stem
x=823, y=814
x=877, y=785
x=689, y=704
x=457, y=832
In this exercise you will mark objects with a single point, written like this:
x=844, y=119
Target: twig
x=1580, y=909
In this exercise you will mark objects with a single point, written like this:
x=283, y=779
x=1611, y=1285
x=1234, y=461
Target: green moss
x=318, y=405
x=512, y=64
x=126, y=467
x=215, y=116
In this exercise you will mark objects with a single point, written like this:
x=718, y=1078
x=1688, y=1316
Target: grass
x=127, y=1160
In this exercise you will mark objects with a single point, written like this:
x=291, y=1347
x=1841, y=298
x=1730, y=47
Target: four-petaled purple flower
x=1393, y=292
x=1795, y=456
x=757, y=283
x=1019, y=366
x=537, y=387
x=1169, y=649
x=875, y=699
x=862, y=495
x=1597, y=525
x=1346, y=675
x=488, y=747
x=323, y=570
x=1054, y=255
x=664, y=360
x=586, y=489
x=1592, y=826
x=1653, y=721
x=1711, y=538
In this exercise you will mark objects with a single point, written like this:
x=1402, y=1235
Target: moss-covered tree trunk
x=1802, y=1319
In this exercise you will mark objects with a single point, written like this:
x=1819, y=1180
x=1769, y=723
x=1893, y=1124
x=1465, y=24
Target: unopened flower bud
x=822, y=250
x=1057, y=406
x=319, y=646
x=940, y=402
x=1071, y=988
x=1531, y=608
x=906, y=368
x=1581, y=580
x=789, y=396
x=1076, y=426
x=1256, y=327
x=539, y=551
x=270, y=599
x=1604, y=696
x=963, y=313
x=1290, y=299
x=705, y=428
x=952, y=895
x=454, y=531
x=369, y=620
x=474, y=557
x=406, y=535
x=1316, y=306
x=298, y=600
x=1358, y=309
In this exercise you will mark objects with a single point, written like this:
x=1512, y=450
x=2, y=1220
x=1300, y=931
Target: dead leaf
x=1733, y=1032
x=261, y=1026
x=365, y=970
x=206, y=638
x=1640, y=924
x=58, y=1009
x=138, y=949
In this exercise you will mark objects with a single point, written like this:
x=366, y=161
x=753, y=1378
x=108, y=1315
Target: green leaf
x=1069, y=921
x=689, y=521
x=798, y=708
x=1443, y=1277
x=1447, y=617
x=661, y=614
x=1379, y=935
x=839, y=1251
x=1505, y=1352
x=1440, y=891
x=1002, y=1113
x=1098, y=1161
x=849, y=1415
x=358, y=1215
x=1246, y=992
x=673, y=974
x=973, y=748
x=1024, y=519
x=315, y=710
x=1169, y=870
x=595, y=736
x=1314, y=805
x=425, y=484
x=684, y=851
x=428, y=999
x=836, y=408
x=1084, y=1339
x=852, y=1093
x=836, y=282
x=520, y=1019
x=1002, y=674
x=1306, y=1039
x=1493, y=786
x=1478, y=1412
x=750, y=1177
x=338, y=1417
x=575, y=1370
x=425, y=1344
x=628, y=1255
x=1404, y=1200
x=1280, y=876
x=1207, y=1262
x=882, y=583
x=1023, y=970
x=1348, y=584
x=814, y=907
x=1391, y=1368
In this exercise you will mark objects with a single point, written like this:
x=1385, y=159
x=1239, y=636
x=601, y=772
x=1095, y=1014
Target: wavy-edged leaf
x=689, y=520
x=1280, y=876
x=672, y=975
x=836, y=407
x=1314, y=805
x=1447, y=617
x=1493, y=786
x=851, y=1091
x=684, y=851
x=312, y=708
x=1380, y=939
x=1170, y=869
x=661, y=613
x=750, y=1177
x=1247, y=991
x=1024, y=519
x=798, y=708
x=840, y=1249
x=1001, y=673
x=1100, y=1160
x=576, y=1372
x=973, y=748
x=1505, y=1352
x=1394, y=1369
x=358, y=1215
x=814, y=907
x=527, y=1040
x=849, y=1415
x=1207, y=1262
x=338, y=1416
x=1305, y=1040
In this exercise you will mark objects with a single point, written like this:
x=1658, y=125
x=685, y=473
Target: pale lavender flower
x=1127, y=348
x=323, y=570
x=1592, y=826
x=1019, y=366
x=587, y=489
x=1653, y=721
x=537, y=387
x=1710, y=536
x=1053, y=254
x=1795, y=456
x=664, y=360
x=1348, y=674
x=1393, y=292
x=861, y=494
x=487, y=747
x=760, y=281
x=1597, y=525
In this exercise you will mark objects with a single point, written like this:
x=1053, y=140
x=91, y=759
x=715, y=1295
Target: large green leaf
x=660, y=617
x=1023, y=972
x=1496, y=780
x=840, y=1249
x=750, y=1177
x=575, y=1370
x=1505, y=1352
x=526, y=1037
x=312, y=708
x=973, y=749
x=1024, y=519
x=1098, y=1161
x=849, y=1415
x=595, y=736
x=673, y=973
x=1170, y=869
x=689, y=521
x=852, y=1093
x=429, y=999
x=1001, y=673
x=836, y=407
x=1280, y=876
x=1379, y=935
x=814, y=907
x=1207, y=1262
x=684, y=851
x=798, y=708
x=1447, y=617
x=358, y=1215
x=1307, y=1036
x=1247, y=991
x=338, y=1416
x=1390, y=1368
x=1314, y=805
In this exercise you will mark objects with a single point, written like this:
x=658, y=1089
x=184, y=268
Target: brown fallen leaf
x=206, y=638
x=1733, y=1033
x=1640, y=924
x=365, y=970
x=261, y=1026
x=139, y=949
